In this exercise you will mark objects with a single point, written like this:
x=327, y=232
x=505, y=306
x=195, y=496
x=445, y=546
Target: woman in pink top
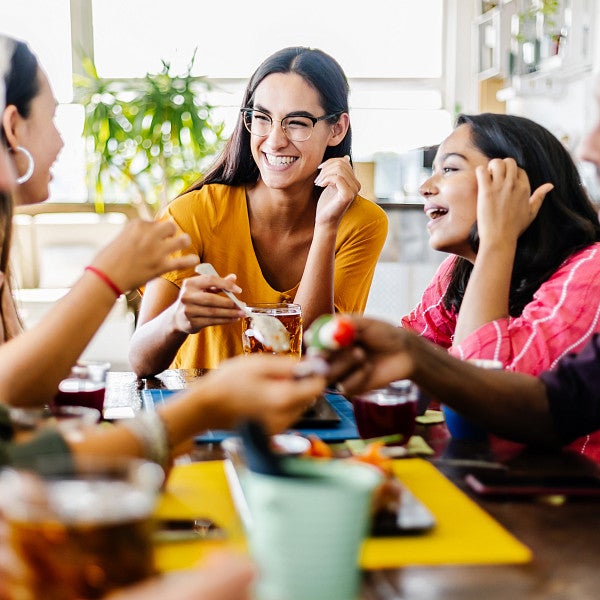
x=523, y=283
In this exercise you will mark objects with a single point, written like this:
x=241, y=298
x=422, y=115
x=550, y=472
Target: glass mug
x=80, y=535
x=387, y=411
x=85, y=386
x=291, y=317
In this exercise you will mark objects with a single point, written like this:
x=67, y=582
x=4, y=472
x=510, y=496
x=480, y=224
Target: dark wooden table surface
x=564, y=537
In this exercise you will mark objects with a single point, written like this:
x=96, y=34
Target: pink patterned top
x=561, y=318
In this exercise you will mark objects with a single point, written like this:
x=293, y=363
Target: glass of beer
x=80, y=535
x=290, y=316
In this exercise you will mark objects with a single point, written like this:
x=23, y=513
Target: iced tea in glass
x=291, y=317
x=81, y=536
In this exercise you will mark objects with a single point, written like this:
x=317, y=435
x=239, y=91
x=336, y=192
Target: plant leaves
x=145, y=137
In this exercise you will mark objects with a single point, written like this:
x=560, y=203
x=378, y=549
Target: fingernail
x=237, y=289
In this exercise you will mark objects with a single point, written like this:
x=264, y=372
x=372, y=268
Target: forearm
x=194, y=411
x=487, y=293
x=107, y=442
x=34, y=363
x=512, y=405
x=316, y=290
x=155, y=344
x=181, y=419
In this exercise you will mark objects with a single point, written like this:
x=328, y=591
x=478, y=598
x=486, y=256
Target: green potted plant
x=148, y=138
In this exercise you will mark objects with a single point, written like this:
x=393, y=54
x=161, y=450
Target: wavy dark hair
x=566, y=222
x=235, y=165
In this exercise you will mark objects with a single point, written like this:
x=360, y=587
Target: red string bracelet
x=107, y=280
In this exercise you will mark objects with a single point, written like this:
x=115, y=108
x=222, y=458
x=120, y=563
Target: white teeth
x=280, y=160
x=434, y=213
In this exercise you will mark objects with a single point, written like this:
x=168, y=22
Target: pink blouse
x=561, y=318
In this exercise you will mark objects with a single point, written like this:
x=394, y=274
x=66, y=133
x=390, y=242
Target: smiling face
x=38, y=134
x=284, y=164
x=451, y=194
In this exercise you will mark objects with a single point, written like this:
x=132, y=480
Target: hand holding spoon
x=268, y=330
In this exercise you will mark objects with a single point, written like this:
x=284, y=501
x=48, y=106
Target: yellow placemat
x=197, y=490
x=464, y=533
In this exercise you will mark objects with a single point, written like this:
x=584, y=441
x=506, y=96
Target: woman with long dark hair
x=523, y=283
x=279, y=210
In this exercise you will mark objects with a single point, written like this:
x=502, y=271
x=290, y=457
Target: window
x=233, y=36
x=395, y=69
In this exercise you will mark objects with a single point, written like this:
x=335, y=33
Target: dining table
x=561, y=532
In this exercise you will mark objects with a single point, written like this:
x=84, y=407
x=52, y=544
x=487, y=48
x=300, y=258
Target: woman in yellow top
x=278, y=214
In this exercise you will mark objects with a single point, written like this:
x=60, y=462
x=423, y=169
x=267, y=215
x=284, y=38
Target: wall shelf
x=537, y=54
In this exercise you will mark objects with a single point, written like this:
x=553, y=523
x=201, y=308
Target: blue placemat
x=344, y=430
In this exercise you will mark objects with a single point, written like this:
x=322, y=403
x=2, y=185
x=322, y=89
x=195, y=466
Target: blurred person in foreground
x=35, y=361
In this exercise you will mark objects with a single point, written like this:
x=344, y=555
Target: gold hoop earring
x=30, y=165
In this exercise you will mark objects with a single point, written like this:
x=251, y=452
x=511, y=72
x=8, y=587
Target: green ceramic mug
x=306, y=531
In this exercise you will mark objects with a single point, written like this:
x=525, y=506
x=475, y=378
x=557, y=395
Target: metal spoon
x=268, y=330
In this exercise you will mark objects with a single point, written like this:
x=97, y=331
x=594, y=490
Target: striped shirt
x=562, y=316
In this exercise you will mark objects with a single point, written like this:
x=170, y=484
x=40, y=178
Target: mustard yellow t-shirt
x=216, y=219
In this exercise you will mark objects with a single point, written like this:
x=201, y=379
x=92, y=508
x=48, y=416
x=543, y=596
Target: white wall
x=568, y=117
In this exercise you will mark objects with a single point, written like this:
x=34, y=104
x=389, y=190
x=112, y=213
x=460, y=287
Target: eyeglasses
x=297, y=128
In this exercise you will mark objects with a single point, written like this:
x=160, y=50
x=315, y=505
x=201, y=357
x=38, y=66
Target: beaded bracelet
x=109, y=282
x=151, y=432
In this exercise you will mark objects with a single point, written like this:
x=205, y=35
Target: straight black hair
x=22, y=83
x=21, y=86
